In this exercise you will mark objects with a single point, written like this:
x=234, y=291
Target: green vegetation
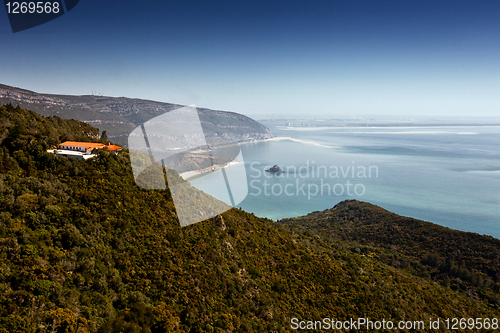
x=83, y=249
x=463, y=261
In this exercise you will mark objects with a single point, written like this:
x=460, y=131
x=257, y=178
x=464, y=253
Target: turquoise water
x=442, y=174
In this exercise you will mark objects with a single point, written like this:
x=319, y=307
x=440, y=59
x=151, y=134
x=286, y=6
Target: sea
x=448, y=174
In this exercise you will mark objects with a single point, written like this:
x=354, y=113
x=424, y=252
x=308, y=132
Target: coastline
x=190, y=174
x=281, y=138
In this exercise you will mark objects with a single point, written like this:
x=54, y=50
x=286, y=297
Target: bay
x=449, y=175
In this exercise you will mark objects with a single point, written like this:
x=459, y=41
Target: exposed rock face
x=275, y=169
x=118, y=116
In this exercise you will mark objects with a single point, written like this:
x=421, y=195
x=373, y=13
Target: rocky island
x=274, y=169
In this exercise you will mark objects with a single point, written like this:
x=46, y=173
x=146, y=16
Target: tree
x=6, y=160
x=30, y=172
x=104, y=137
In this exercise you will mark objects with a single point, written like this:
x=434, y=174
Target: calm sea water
x=442, y=174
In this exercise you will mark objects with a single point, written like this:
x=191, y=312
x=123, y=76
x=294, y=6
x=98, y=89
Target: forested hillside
x=464, y=261
x=83, y=249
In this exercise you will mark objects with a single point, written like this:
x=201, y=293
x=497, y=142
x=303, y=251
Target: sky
x=274, y=59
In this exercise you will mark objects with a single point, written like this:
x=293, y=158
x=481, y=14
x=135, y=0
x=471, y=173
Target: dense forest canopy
x=83, y=249
x=464, y=261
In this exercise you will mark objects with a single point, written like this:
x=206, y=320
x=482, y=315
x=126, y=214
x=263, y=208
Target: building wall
x=76, y=148
x=70, y=156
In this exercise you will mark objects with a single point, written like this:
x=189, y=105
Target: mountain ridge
x=118, y=116
x=465, y=261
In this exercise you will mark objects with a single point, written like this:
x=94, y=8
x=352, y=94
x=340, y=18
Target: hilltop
x=83, y=249
x=118, y=116
x=463, y=261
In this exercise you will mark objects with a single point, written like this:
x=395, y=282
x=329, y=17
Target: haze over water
x=448, y=175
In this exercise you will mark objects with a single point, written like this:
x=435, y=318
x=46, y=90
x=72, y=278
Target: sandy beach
x=190, y=174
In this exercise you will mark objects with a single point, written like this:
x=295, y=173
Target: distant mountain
x=118, y=116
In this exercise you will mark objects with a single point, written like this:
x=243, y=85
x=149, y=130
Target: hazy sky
x=331, y=58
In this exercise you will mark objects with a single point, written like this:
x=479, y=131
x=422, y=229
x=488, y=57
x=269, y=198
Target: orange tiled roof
x=90, y=145
x=113, y=147
x=82, y=144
